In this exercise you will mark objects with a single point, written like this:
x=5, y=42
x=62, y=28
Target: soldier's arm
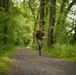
x=44, y=35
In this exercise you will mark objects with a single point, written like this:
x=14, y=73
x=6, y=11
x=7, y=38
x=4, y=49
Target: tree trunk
x=47, y=2
x=75, y=32
x=1, y=3
x=5, y=6
x=51, y=23
x=42, y=22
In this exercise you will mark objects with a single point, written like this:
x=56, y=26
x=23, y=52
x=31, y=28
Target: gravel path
x=27, y=62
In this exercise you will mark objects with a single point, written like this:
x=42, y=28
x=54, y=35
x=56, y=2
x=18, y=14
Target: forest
x=20, y=19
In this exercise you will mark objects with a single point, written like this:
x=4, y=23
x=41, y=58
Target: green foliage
x=20, y=23
x=34, y=46
x=1, y=25
x=5, y=58
x=65, y=33
x=1, y=8
x=64, y=51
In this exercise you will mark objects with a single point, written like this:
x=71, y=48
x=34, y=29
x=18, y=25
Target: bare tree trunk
x=42, y=22
x=75, y=32
x=51, y=23
x=47, y=2
x=5, y=6
x=1, y=3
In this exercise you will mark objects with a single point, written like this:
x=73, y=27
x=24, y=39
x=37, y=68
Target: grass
x=5, y=58
x=34, y=46
x=63, y=51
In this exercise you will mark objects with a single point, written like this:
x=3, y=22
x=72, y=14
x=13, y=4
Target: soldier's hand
x=43, y=37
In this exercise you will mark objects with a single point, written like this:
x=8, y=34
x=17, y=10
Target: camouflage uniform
x=39, y=36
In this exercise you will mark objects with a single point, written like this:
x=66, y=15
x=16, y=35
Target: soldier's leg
x=39, y=50
x=39, y=43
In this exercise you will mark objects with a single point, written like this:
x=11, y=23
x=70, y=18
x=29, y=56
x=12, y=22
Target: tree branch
x=31, y=9
x=62, y=6
x=71, y=4
x=70, y=31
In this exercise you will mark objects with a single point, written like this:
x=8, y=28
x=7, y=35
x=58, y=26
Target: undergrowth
x=5, y=58
x=63, y=51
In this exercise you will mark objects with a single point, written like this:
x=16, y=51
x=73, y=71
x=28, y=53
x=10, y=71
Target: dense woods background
x=19, y=20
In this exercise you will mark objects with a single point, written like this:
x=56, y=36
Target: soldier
x=40, y=35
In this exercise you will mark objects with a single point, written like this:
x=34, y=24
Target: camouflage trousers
x=40, y=43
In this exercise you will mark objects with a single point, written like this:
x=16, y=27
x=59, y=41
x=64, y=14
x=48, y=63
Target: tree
x=35, y=13
x=51, y=22
x=47, y=3
x=64, y=11
x=75, y=31
x=1, y=3
x=42, y=4
x=6, y=7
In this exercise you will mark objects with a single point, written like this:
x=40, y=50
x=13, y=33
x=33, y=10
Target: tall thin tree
x=47, y=9
x=51, y=22
x=42, y=4
x=1, y=3
x=5, y=6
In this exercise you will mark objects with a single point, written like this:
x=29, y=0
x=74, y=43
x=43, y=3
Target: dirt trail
x=28, y=62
